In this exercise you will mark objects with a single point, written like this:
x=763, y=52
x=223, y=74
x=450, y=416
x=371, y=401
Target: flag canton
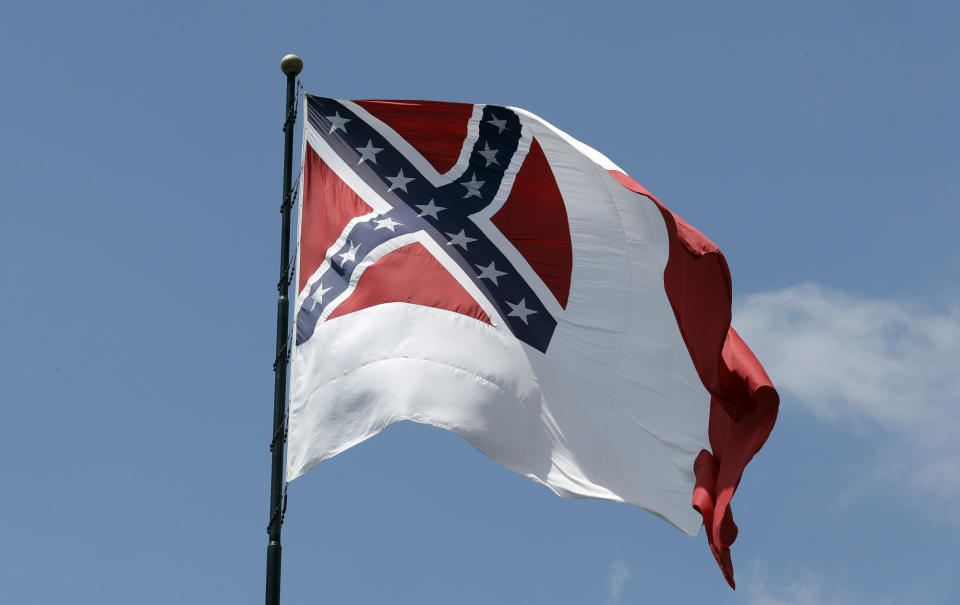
x=417, y=205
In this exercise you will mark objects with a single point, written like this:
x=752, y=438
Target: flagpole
x=291, y=65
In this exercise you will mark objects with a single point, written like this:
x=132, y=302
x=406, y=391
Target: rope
x=280, y=511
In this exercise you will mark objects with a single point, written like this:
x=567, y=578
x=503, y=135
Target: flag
x=474, y=268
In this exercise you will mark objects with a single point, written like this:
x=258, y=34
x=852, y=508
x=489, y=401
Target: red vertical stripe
x=744, y=404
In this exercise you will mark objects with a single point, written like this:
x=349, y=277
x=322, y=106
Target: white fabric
x=614, y=409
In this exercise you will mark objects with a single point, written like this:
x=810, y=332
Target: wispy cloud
x=850, y=360
x=619, y=572
x=803, y=588
x=794, y=593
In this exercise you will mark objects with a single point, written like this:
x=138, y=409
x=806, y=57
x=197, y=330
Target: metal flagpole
x=291, y=66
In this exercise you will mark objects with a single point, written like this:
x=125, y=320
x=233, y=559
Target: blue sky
x=817, y=143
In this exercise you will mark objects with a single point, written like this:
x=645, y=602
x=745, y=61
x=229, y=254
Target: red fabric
x=534, y=219
x=744, y=404
x=436, y=129
x=410, y=274
x=327, y=206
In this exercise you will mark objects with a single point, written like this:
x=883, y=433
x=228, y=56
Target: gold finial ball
x=291, y=65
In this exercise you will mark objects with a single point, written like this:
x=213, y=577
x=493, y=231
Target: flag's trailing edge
x=471, y=267
x=744, y=404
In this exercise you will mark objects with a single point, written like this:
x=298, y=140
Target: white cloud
x=794, y=593
x=804, y=588
x=619, y=573
x=855, y=361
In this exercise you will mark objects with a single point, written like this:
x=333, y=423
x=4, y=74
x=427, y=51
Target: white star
x=317, y=295
x=490, y=155
x=520, y=310
x=430, y=209
x=349, y=255
x=337, y=122
x=461, y=239
x=490, y=272
x=500, y=124
x=399, y=181
x=369, y=152
x=473, y=187
x=387, y=223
